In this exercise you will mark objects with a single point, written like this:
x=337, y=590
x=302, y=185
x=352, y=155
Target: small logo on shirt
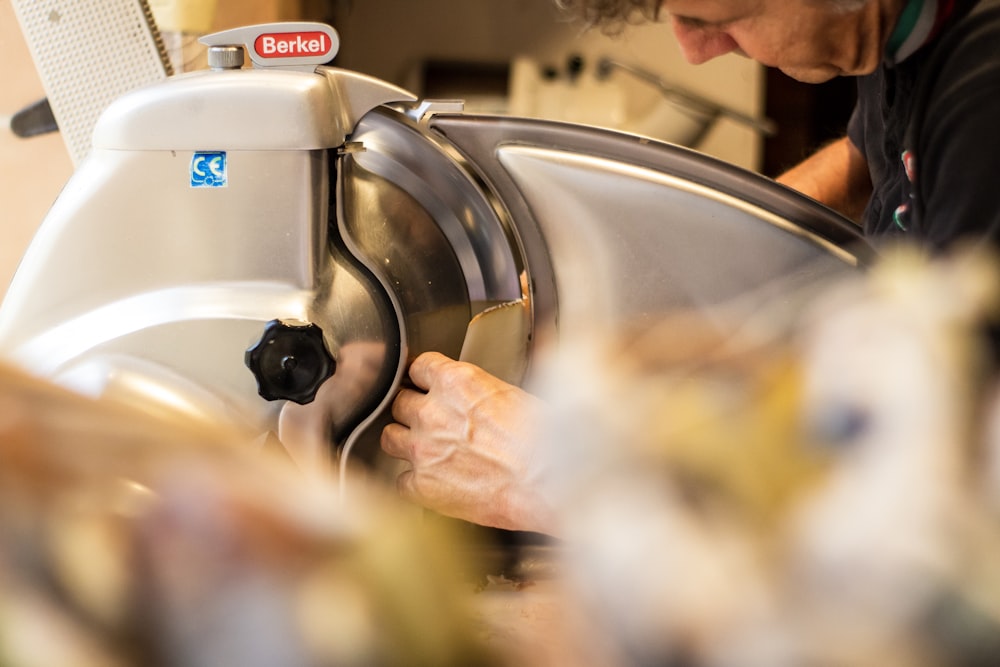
x=901, y=216
x=910, y=165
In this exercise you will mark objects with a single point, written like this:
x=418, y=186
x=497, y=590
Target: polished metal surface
x=430, y=235
x=417, y=176
x=616, y=227
x=709, y=247
x=225, y=57
x=244, y=110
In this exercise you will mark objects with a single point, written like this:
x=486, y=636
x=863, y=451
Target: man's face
x=808, y=40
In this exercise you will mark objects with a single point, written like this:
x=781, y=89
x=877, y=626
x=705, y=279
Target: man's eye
x=696, y=23
x=691, y=22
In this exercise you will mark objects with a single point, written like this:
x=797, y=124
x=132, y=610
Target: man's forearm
x=836, y=175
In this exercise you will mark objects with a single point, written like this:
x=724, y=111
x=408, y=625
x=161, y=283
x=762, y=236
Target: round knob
x=290, y=361
x=225, y=57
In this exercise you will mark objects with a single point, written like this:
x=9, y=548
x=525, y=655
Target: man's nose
x=700, y=44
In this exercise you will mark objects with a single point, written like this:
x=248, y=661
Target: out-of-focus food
x=127, y=539
x=813, y=486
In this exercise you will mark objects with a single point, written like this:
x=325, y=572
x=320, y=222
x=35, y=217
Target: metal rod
x=692, y=101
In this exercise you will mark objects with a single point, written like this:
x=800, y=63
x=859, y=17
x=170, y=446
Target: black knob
x=290, y=361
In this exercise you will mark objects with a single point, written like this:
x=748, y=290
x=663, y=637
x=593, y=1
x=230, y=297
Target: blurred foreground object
x=811, y=489
x=129, y=539
x=800, y=485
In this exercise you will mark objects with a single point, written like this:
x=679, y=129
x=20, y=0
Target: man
x=921, y=161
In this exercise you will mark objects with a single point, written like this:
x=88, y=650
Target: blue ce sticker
x=208, y=170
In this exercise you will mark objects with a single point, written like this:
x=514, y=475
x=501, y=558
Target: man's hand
x=471, y=441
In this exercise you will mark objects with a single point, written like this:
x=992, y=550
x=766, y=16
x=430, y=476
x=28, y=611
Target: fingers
x=396, y=442
x=397, y=438
x=426, y=367
x=406, y=406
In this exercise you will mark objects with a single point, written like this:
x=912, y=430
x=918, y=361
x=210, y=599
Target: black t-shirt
x=929, y=128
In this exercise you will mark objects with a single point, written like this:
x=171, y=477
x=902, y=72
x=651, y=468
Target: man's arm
x=836, y=175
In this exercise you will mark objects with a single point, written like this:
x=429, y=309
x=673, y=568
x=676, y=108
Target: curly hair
x=612, y=14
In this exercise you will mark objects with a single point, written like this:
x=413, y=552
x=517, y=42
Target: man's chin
x=812, y=74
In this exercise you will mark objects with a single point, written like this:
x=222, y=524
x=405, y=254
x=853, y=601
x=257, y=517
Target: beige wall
x=32, y=171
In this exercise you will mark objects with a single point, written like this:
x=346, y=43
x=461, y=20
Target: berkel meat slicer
x=271, y=245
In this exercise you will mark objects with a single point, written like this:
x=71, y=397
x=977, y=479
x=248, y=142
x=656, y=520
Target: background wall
x=32, y=171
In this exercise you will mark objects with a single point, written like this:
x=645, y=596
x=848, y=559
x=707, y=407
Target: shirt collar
x=918, y=24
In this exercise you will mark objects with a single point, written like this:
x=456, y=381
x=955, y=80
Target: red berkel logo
x=292, y=44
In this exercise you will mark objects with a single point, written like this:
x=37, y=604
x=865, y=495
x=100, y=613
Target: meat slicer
x=271, y=245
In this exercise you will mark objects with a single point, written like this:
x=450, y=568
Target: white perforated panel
x=88, y=52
